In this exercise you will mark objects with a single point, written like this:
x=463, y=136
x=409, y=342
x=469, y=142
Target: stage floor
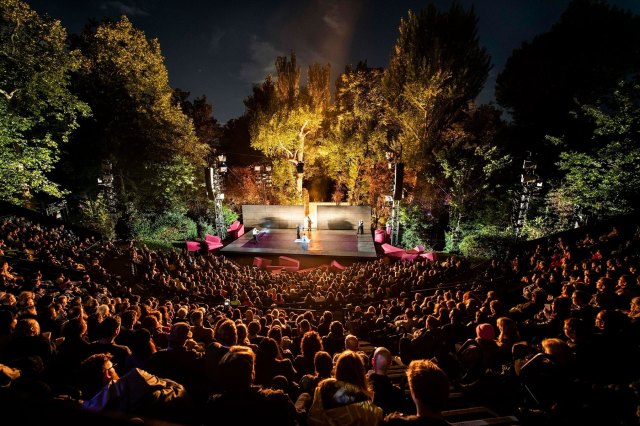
x=332, y=243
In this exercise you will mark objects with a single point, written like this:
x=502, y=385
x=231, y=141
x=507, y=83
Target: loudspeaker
x=208, y=180
x=397, y=184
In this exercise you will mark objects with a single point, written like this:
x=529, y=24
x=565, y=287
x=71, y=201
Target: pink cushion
x=336, y=266
x=213, y=246
x=274, y=269
x=396, y=254
x=213, y=239
x=193, y=246
x=379, y=236
x=388, y=248
x=236, y=230
x=261, y=262
x=432, y=256
x=409, y=257
x=289, y=263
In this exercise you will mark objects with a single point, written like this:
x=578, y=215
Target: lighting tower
x=531, y=184
x=263, y=180
x=393, y=162
x=105, y=183
x=214, y=177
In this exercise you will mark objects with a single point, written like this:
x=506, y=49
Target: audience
x=556, y=310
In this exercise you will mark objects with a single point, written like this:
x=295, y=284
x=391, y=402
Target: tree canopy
x=38, y=112
x=605, y=180
x=577, y=61
x=285, y=117
x=137, y=123
x=436, y=67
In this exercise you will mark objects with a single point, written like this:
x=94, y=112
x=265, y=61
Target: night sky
x=220, y=48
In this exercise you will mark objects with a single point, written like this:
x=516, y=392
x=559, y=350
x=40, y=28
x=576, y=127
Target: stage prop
x=343, y=217
x=289, y=263
x=379, y=236
x=409, y=255
x=193, y=246
x=236, y=229
x=432, y=256
x=336, y=267
x=416, y=250
x=261, y=262
x=213, y=242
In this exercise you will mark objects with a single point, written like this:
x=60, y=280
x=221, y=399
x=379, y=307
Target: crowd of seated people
x=196, y=338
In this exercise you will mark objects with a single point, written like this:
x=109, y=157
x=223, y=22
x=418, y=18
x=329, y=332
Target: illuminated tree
x=469, y=160
x=38, y=112
x=137, y=123
x=604, y=179
x=284, y=118
x=354, y=144
x=436, y=67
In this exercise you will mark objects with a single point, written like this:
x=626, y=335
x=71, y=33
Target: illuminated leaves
x=37, y=110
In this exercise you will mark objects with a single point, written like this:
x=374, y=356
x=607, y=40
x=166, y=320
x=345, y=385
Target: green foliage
x=38, y=112
x=168, y=226
x=355, y=140
x=137, y=123
x=229, y=215
x=176, y=183
x=605, y=180
x=285, y=117
x=436, y=67
x=487, y=242
x=416, y=223
x=157, y=245
x=469, y=160
x=555, y=213
x=95, y=215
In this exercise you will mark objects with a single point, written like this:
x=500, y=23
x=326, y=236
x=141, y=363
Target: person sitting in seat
x=242, y=403
x=386, y=395
x=429, y=387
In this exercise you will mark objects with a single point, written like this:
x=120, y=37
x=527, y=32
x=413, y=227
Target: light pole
x=215, y=186
x=263, y=179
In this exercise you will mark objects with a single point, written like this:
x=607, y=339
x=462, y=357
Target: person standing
x=297, y=231
x=256, y=231
x=361, y=227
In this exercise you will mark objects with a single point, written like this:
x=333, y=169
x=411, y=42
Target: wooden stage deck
x=330, y=243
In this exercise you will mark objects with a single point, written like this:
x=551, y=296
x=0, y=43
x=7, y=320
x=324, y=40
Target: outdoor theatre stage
x=333, y=234
x=323, y=242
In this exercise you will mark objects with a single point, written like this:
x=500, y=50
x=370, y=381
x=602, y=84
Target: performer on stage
x=256, y=232
x=361, y=227
x=309, y=223
x=297, y=231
